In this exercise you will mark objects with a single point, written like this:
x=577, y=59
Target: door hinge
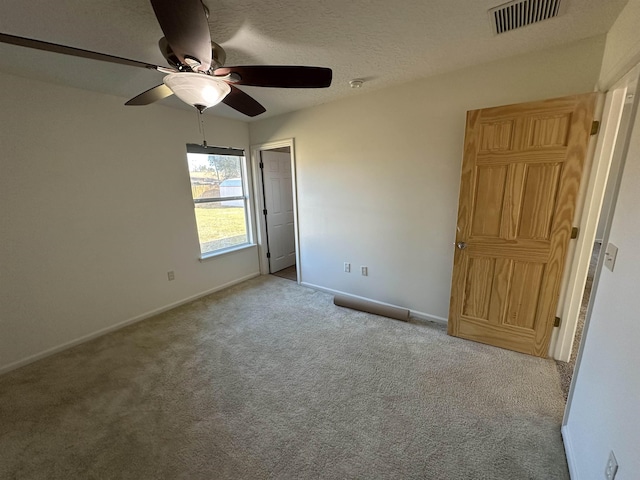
x=574, y=232
x=595, y=127
x=557, y=321
x=268, y=254
x=262, y=164
x=264, y=212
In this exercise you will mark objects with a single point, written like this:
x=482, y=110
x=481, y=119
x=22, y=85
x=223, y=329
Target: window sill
x=217, y=253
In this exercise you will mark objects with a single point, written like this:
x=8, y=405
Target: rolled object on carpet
x=371, y=307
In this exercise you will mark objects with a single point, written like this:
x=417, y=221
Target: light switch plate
x=610, y=256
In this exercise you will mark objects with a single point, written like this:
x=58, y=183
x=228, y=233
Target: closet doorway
x=277, y=212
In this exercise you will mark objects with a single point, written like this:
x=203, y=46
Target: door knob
x=461, y=245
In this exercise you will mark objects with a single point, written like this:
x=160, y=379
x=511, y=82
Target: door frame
x=621, y=135
x=579, y=255
x=258, y=190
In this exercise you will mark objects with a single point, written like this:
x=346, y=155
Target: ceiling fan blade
x=152, y=95
x=75, y=52
x=281, y=76
x=243, y=102
x=186, y=29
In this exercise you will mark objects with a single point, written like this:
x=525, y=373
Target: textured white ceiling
x=385, y=42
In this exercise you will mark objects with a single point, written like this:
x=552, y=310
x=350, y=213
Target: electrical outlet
x=612, y=467
x=347, y=267
x=365, y=271
x=171, y=275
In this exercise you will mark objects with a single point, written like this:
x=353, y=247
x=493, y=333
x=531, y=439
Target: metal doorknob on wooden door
x=461, y=245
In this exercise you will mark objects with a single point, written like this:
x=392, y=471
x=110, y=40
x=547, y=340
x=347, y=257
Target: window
x=219, y=189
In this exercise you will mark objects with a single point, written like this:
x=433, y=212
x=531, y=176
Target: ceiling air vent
x=521, y=13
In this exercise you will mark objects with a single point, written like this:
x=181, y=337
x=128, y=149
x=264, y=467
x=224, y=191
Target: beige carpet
x=269, y=379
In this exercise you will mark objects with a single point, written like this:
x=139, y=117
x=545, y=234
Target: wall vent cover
x=521, y=13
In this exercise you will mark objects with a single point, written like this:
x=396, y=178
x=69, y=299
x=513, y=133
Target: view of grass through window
x=217, y=186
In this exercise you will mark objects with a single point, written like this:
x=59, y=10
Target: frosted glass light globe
x=197, y=89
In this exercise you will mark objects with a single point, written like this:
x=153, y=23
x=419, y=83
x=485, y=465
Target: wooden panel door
x=521, y=173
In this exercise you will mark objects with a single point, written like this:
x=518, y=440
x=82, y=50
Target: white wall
x=95, y=206
x=622, y=50
x=378, y=173
x=603, y=413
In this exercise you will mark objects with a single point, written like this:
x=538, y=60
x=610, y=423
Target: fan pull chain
x=201, y=126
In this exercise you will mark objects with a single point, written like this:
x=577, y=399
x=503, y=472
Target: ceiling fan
x=197, y=74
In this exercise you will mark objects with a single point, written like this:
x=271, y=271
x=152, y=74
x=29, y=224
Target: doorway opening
x=566, y=369
x=277, y=212
x=622, y=123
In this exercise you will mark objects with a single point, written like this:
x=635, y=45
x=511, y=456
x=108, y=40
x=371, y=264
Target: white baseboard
x=119, y=325
x=568, y=450
x=414, y=313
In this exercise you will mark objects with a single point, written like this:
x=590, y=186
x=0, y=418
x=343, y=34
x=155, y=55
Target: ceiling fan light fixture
x=197, y=90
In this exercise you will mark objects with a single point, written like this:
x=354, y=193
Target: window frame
x=193, y=148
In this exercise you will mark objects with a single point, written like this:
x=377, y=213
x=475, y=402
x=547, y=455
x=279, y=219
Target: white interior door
x=278, y=198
